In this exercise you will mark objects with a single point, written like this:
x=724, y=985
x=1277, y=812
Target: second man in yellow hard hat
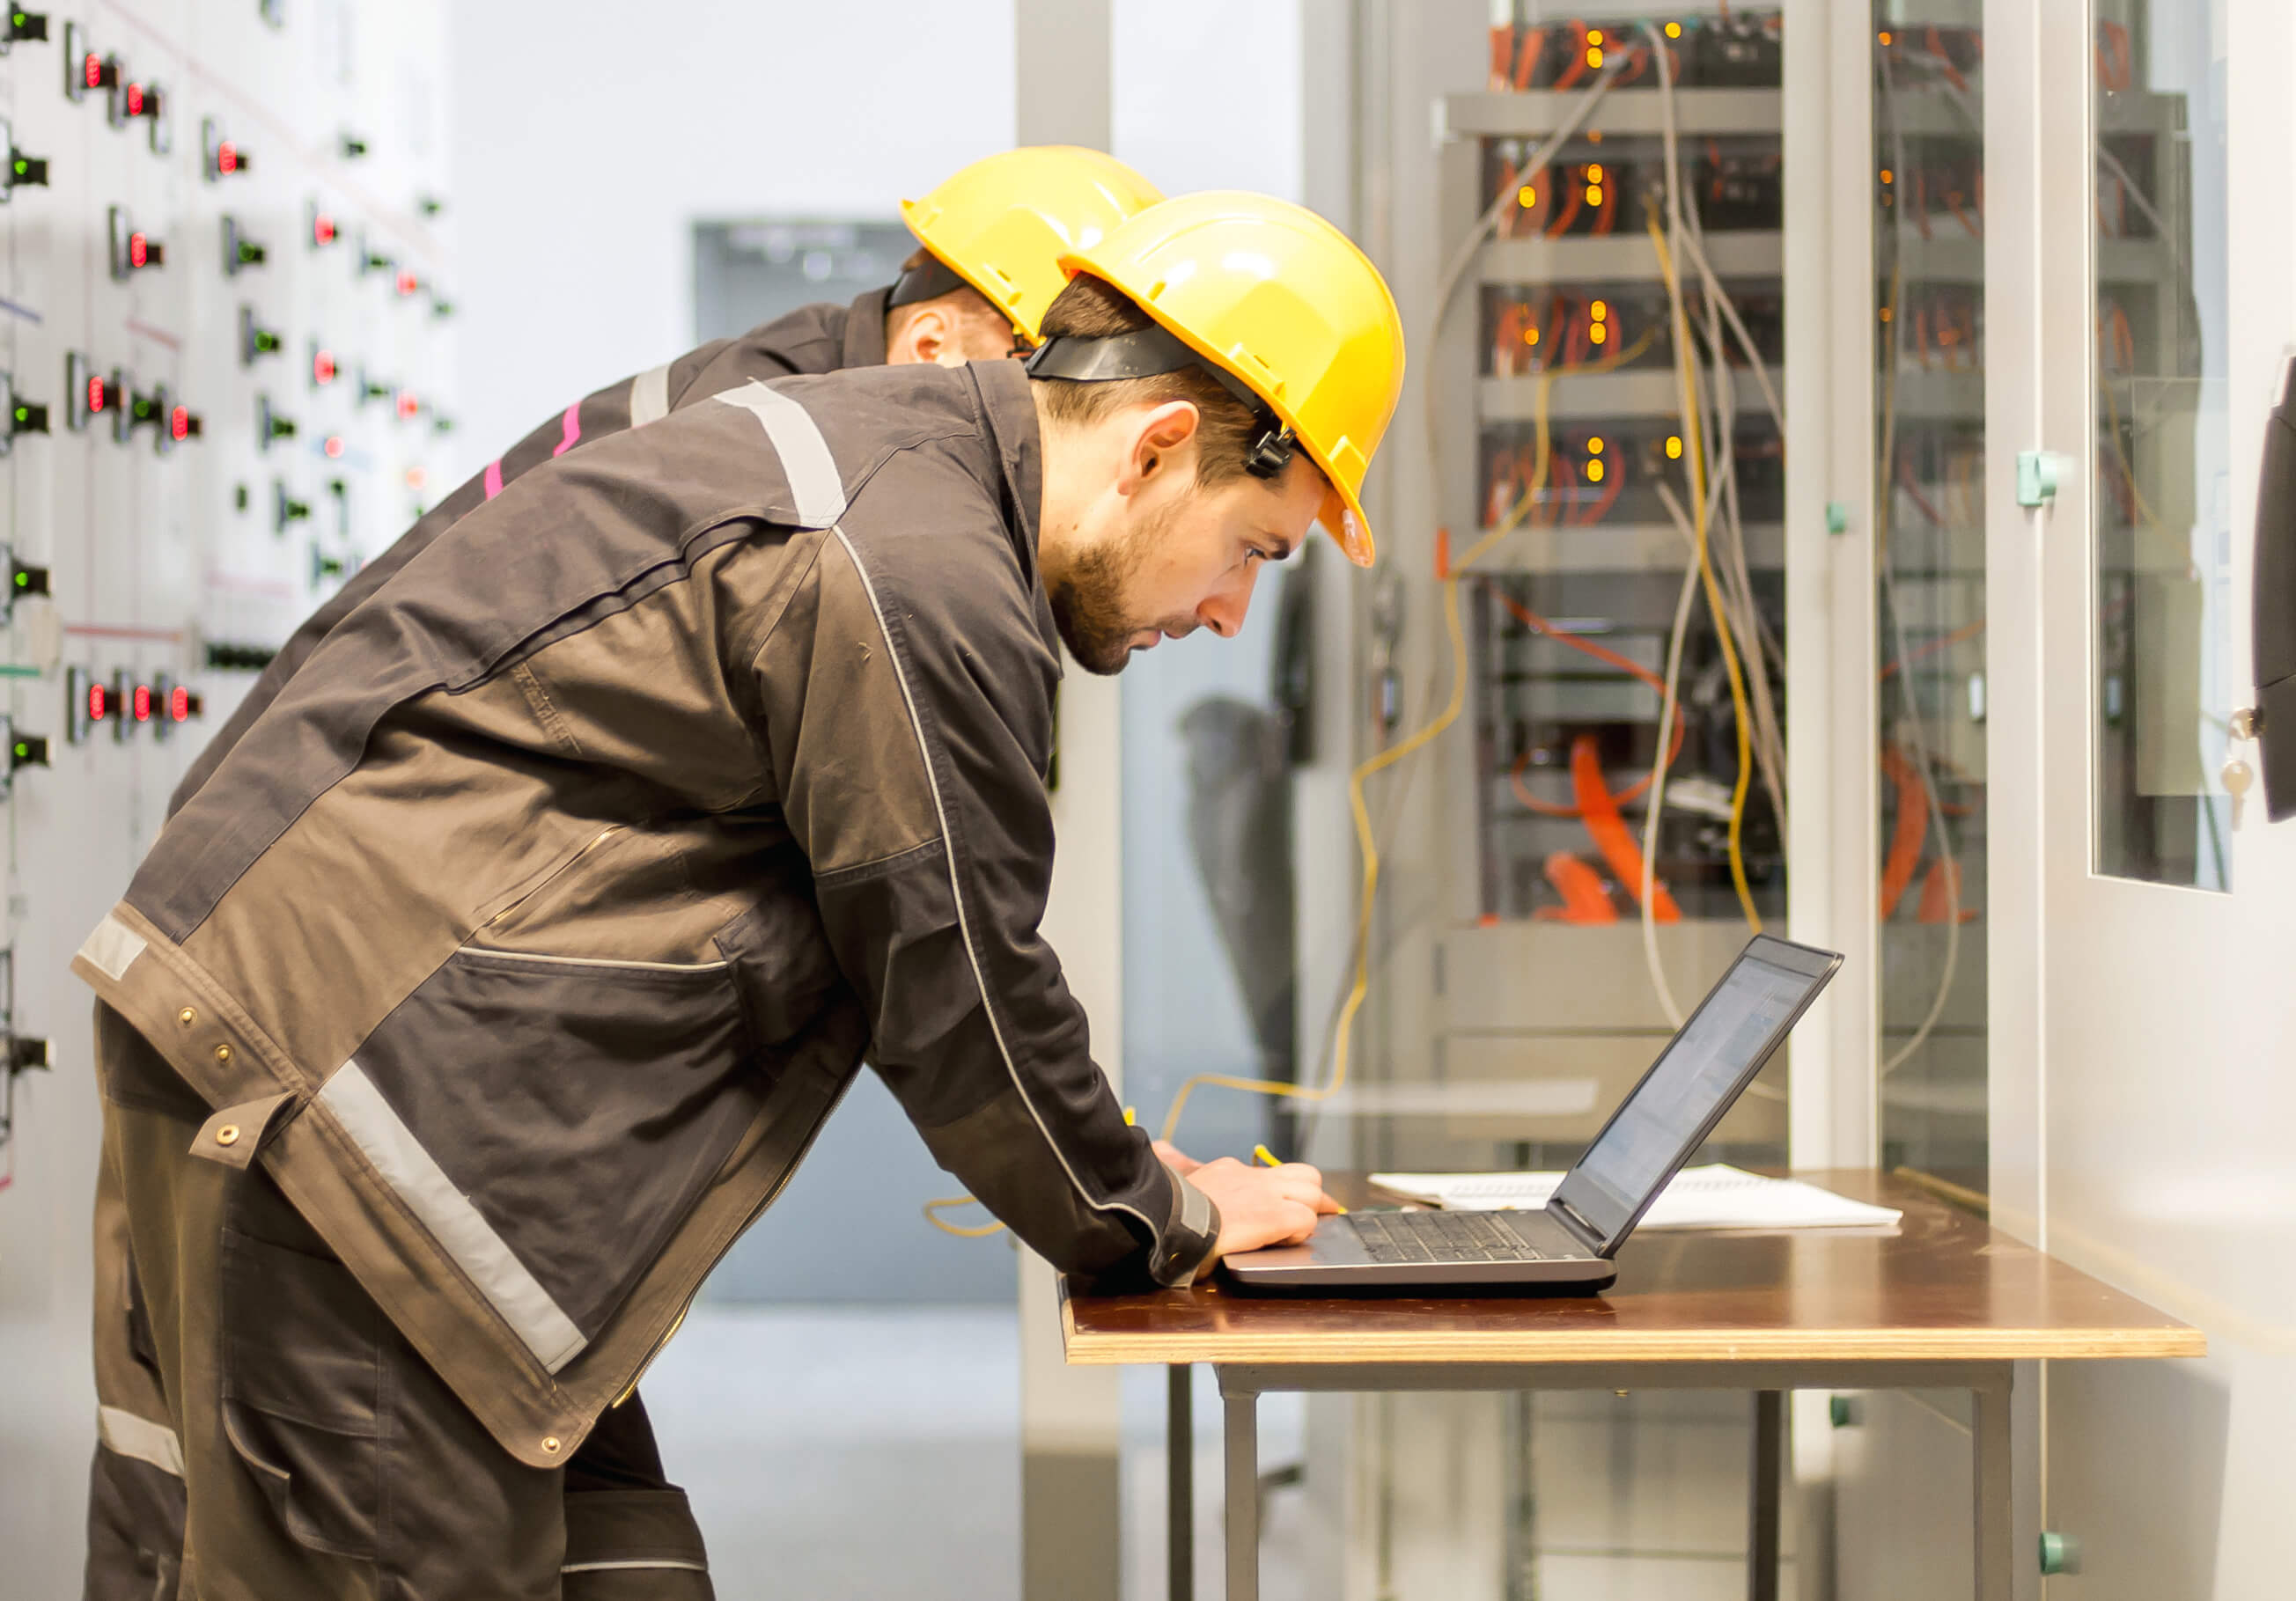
x=505, y=969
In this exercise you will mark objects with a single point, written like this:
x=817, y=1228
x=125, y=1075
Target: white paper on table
x=1714, y=1197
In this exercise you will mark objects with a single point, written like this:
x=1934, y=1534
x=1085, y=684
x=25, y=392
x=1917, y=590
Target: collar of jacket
x=1008, y=409
x=865, y=330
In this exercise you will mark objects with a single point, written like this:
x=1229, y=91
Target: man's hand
x=1172, y=1156
x=1262, y=1206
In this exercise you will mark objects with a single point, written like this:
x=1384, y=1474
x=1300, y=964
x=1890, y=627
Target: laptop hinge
x=1589, y=1236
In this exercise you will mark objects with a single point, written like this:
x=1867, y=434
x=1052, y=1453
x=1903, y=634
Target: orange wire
x=1905, y=841
x=1609, y=659
x=1600, y=809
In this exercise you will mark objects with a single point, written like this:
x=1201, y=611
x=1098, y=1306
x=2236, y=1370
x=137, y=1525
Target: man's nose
x=1223, y=610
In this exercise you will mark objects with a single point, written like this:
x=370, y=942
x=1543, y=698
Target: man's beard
x=1088, y=601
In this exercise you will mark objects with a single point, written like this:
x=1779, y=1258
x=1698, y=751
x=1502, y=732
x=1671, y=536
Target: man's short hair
x=970, y=308
x=1091, y=308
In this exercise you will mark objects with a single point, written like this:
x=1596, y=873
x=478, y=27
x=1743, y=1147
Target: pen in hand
x=1267, y=1158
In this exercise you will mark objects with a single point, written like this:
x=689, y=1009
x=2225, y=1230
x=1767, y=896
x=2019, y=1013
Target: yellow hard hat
x=1002, y=224
x=1271, y=294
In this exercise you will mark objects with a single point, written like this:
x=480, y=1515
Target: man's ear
x=926, y=337
x=1161, y=440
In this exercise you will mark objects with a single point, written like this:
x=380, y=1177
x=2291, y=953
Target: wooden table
x=1943, y=1303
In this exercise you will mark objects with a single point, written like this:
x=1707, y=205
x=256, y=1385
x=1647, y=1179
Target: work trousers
x=264, y=1431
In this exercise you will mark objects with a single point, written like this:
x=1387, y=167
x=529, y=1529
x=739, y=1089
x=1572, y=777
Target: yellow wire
x=1694, y=436
x=962, y=1231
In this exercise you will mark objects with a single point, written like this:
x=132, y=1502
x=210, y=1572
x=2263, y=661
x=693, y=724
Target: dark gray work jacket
x=539, y=922
x=812, y=339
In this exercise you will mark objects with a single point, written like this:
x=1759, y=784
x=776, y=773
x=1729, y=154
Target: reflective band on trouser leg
x=125, y=1435
x=649, y=396
x=815, y=484
x=358, y=1106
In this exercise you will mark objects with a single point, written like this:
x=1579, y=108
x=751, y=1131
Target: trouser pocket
x=303, y=1377
x=633, y=1544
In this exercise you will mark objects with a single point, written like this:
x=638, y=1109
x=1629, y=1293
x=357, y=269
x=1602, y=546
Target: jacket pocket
x=572, y=1108
x=302, y=1380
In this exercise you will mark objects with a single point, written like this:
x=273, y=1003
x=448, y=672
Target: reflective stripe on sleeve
x=359, y=1107
x=650, y=395
x=112, y=949
x=655, y=1561
x=125, y=1435
x=815, y=486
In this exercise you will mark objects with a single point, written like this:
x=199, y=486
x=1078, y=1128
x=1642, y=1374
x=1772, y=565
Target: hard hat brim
x=909, y=209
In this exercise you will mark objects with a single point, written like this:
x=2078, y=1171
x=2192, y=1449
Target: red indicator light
x=143, y=703
x=226, y=157
x=95, y=395
x=322, y=367
x=334, y=445
x=322, y=229
x=139, y=252
x=136, y=100
x=408, y=283
x=416, y=478
x=91, y=70
x=179, y=422
x=99, y=703
x=179, y=704
x=408, y=405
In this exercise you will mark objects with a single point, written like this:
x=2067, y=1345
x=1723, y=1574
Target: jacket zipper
x=555, y=873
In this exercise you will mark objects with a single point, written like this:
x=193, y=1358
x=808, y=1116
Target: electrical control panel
x=226, y=358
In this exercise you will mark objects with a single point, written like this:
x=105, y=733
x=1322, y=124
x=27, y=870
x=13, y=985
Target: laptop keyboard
x=1400, y=1237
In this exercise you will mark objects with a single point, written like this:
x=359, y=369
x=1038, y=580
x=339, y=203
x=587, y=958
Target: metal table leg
x=1180, y=1481
x=1763, y=1494
x=1995, y=1482
x=1242, y=1429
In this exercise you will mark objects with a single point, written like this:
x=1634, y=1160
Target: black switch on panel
x=93, y=71
x=429, y=204
x=373, y=389
x=23, y=27
x=220, y=158
x=172, y=702
x=324, y=567
x=171, y=423
x=352, y=146
x=441, y=307
x=87, y=393
x=132, y=249
x=88, y=704
x=148, y=102
x=269, y=425
x=23, y=416
x=441, y=424
x=371, y=261
x=239, y=251
x=224, y=655
x=28, y=750
x=285, y=508
x=255, y=339
x=24, y=580
x=21, y=169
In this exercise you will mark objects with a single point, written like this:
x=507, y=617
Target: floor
x=862, y=1453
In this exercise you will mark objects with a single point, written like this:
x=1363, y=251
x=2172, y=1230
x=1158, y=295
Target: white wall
x=589, y=134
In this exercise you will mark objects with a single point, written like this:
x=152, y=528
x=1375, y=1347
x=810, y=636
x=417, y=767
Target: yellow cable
x=962, y=1231
x=1694, y=437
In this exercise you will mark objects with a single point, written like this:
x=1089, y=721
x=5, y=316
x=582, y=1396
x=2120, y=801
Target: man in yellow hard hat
x=504, y=970
x=986, y=266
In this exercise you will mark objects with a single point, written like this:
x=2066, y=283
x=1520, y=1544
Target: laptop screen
x=1702, y=1070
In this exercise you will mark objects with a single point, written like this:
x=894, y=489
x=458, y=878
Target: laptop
x=1570, y=1242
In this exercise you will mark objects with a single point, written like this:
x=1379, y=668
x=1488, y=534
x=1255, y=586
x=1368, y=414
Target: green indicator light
x=23, y=579
x=21, y=414
x=23, y=749
x=22, y=167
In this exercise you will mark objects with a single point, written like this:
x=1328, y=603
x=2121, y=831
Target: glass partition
x=1929, y=256
x=2160, y=511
